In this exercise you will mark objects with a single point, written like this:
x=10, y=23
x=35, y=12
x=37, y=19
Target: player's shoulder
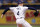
x=24, y=6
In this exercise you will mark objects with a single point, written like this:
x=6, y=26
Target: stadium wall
x=9, y=17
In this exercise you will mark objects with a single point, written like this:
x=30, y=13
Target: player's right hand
x=2, y=16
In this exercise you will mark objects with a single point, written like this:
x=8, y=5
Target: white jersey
x=19, y=11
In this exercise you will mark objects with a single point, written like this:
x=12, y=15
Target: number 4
x=18, y=13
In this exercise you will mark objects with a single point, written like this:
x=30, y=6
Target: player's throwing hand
x=2, y=16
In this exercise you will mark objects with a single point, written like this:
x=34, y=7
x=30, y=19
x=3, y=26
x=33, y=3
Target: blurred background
x=9, y=19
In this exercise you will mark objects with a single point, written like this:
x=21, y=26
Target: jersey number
x=18, y=13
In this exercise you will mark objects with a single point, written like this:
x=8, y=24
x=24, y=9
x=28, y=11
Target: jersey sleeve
x=11, y=8
x=26, y=8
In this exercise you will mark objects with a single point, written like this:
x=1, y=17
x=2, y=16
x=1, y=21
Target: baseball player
x=19, y=13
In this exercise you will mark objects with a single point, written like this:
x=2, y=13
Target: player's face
x=21, y=4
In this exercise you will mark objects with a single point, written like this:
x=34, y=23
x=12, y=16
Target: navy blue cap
x=19, y=1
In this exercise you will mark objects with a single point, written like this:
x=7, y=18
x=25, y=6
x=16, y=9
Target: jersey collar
x=20, y=6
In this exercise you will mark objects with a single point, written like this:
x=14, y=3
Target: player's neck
x=20, y=4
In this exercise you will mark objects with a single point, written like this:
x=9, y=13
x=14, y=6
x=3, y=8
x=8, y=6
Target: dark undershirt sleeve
x=5, y=10
x=31, y=8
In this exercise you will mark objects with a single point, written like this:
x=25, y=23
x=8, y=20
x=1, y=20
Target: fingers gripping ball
x=36, y=13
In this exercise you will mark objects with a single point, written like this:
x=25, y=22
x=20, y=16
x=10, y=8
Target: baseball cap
x=20, y=1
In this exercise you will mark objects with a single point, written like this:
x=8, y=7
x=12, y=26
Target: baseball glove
x=36, y=13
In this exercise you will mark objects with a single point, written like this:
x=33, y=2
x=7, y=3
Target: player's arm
x=4, y=12
x=31, y=8
x=35, y=13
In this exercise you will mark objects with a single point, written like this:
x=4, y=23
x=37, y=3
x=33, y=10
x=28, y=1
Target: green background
x=16, y=25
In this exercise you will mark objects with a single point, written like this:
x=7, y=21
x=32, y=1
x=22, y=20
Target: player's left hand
x=36, y=13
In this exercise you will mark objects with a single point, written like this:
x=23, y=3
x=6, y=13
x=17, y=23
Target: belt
x=20, y=18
